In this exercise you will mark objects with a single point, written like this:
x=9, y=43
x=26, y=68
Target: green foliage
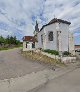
x=9, y=40
x=3, y=49
x=66, y=53
x=2, y=40
x=17, y=42
x=52, y=51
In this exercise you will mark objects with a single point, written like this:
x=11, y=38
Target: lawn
x=2, y=48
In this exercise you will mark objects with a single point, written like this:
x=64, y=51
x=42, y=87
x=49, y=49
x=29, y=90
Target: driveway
x=13, y=64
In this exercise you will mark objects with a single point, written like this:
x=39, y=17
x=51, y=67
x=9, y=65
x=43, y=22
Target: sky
x=17, y=17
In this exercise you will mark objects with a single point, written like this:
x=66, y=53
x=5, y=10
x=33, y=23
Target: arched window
x=50, y=36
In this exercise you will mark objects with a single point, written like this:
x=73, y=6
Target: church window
x=50, y=36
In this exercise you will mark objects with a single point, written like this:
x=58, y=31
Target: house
x=77, y=47
x=55, y=36
x=28, y=43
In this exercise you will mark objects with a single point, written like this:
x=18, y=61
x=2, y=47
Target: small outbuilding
x=28, y=43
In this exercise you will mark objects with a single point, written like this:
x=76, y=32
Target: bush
x=66, y=53
x=52, y=51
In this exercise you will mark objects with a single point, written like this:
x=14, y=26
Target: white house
x=55, y=36
x=28, y=43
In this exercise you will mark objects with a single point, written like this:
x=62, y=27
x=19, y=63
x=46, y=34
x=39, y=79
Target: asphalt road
x=13, y=64
x=69, y=82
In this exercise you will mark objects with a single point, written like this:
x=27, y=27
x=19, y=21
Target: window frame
x=50, y=39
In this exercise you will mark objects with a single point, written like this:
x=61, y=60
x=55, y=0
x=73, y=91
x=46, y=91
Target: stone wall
x=66, y=59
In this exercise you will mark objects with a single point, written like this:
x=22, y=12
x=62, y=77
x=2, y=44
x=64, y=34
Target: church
x=55, y=35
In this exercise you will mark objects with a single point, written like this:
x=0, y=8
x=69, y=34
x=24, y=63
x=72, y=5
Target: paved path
x=69, y=82
x=12, y=64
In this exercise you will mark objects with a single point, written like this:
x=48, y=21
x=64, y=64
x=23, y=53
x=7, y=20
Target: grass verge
x=9, y=48
x=37, y=56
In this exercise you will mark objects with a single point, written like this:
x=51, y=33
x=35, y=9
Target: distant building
x=55, y=36
x=77, y=47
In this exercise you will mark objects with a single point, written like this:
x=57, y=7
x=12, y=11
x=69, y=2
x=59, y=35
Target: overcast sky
x=17, y=17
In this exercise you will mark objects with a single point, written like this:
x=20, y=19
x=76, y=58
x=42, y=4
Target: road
x=69, y=82
x=13, y=64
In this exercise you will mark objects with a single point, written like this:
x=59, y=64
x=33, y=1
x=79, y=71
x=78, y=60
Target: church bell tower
x=36, y=28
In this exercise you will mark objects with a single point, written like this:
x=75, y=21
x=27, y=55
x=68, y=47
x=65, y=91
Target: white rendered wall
x=46, y=43
x=71, y=43
x=29, y=46
x=64, y=28
x=40, y=45
x=50, y=44
x=64, y=43
x=24, y=46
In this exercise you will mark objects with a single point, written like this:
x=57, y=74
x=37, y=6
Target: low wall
x=51, y=56
x=68, y=59
x=62, y=59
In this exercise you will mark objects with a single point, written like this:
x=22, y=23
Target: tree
x=9, y=40
x=2, y=40
x=15, y=39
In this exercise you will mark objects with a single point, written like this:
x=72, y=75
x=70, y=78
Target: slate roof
x=56, y=20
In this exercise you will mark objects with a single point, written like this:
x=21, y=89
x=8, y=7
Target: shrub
x=66, y=53
x=52, y=51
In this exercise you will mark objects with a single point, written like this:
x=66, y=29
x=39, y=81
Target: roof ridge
x=54, y=21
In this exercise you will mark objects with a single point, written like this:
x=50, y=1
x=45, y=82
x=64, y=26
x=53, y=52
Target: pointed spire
x=36, y=22
x=36, y=27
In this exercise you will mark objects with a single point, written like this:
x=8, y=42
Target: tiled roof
x=59, y=20
x=54, y=21
x=29, y=38
x=77, y=46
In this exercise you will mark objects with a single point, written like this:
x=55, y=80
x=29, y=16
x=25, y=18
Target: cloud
x=77, y=34
x=17, y=17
